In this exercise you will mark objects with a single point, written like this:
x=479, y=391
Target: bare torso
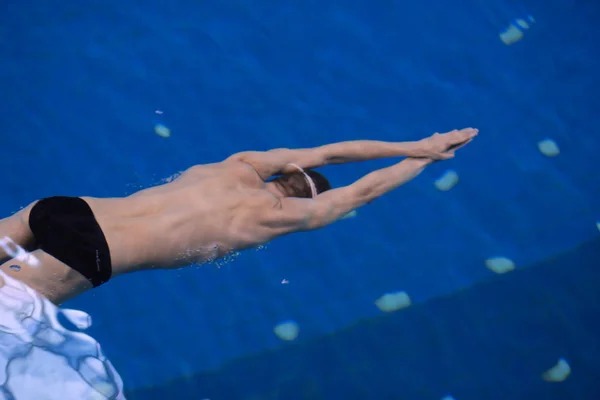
x=205, y=213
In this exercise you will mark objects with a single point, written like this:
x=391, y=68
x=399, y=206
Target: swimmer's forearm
x=365, y=150
x=333, y=204
x=383, y=181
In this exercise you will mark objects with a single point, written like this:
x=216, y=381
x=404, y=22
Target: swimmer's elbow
x=334, y=204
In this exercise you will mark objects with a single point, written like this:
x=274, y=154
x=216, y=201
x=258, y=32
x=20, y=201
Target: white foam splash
x=351, y=214
x=78, y=318
x=17, y=252
x=41, y=359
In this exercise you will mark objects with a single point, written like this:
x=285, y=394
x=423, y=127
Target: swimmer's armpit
x=297, y=214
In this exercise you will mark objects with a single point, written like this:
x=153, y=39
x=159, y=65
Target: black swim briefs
x=66, y=228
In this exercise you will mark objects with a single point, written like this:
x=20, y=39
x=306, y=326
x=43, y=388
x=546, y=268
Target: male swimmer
x=77, y=243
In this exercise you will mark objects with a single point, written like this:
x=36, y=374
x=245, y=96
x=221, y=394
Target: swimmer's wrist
x=409, y=149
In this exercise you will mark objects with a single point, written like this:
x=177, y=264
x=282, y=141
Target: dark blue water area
x=81, y=83
x=492, y=341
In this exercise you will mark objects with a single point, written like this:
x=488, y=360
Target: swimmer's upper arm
x=329, y=206
x=273, y=162
x=300, y=214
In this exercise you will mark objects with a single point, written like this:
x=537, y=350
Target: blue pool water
x=81, y=83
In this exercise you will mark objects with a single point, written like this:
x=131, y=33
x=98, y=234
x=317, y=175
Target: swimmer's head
x=298, y=183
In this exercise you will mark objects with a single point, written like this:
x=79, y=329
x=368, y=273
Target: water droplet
x=15, y=268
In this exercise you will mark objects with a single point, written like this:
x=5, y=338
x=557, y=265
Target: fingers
x=460, y=135
x=467, y=133
x=459, y=145
x=459, y=138
x=452, y=141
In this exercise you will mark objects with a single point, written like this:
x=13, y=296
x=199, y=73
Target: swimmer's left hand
x=443, y=146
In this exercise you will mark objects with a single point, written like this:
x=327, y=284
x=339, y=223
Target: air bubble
x=558, y=372
x=162, y=130
x=447, y=181
x=287, y=330
x=351, y=214
x=393, y=301
x=500, y=265
x=548, y=147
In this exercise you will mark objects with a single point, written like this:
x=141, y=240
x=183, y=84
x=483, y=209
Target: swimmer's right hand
x=443, y=146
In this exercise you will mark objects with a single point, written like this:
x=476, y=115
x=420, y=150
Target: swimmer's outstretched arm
x=273, y=162
x=298, y=214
